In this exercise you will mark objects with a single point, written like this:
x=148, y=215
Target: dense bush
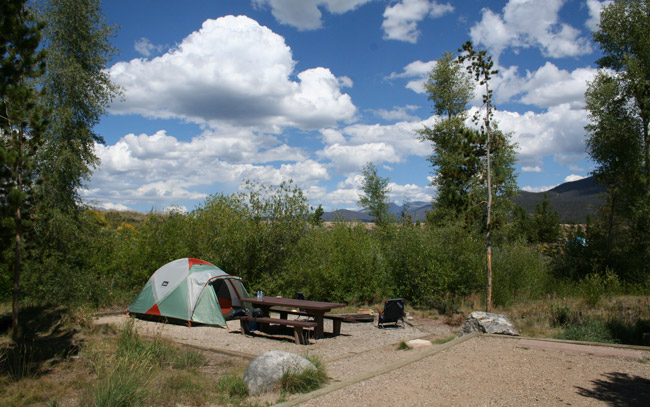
x=344, y=263
x=264, y=236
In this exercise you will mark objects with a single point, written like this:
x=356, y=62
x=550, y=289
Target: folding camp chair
x=393, y=312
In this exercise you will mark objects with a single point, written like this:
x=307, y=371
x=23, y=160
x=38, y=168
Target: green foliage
x=544, y=227
x=588, y=331
x=78, y=89
x=375, y=198
x=594, y=286
x=460, y=157
x=449, y=87
x=456, y=161
x=316, y=218
x=22, y=124
x=519, y=273
x=428, y=265
x=618, y=138
x=123, y=384
x=344, y=263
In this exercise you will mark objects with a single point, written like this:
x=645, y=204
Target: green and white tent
x=192, y=290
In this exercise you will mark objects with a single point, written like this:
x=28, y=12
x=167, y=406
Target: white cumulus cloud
x=397, y=113
x=595, y=7
x=145, y=47
x=547, y=86
x=417, y=72
x=306, y=14
x=152, y=168
x=350, y=148
x=525, y=24
x=573, y=177
x=232, y=71
x=559, y=129
x=401, y=19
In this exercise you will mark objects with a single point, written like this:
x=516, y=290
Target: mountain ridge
x=573, y=201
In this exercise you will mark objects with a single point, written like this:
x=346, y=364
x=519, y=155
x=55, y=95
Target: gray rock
x=489, y=323
x=265, y=371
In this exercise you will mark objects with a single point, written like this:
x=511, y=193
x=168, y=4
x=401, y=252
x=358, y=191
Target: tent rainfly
x=192, y=290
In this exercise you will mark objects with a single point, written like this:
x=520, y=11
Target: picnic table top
x=294, y=303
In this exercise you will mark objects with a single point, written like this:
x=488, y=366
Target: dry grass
x=108, y=368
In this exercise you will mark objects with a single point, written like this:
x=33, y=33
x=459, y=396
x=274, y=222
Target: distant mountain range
x=572, y=200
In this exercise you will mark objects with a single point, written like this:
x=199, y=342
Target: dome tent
x=191, y=290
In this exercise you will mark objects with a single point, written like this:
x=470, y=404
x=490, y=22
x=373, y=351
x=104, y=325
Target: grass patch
x=446, y=339
x=233, y=385
x=306, y=380
x=123, y=384
x=404, y=346
x=68, y=361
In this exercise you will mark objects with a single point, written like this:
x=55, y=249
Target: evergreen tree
x=459, y=152
x=479, y=64
x=316, y=218
x=21, y=127
x=545, y=223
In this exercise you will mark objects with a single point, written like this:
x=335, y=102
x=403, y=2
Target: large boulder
x=488, y=323
x=265, y=371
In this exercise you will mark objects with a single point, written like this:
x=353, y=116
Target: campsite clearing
x=368, y=369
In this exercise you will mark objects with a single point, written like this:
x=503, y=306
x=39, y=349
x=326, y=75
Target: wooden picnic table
x=315, y=309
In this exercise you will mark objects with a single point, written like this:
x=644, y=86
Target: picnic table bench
x=336, y=319
x=315, y=309
x=298, y=326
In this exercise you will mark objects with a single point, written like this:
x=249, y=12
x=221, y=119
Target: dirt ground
x=367, y=369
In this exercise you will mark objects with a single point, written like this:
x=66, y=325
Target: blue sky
x=217, y=92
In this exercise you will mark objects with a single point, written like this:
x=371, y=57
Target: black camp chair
x=393, y=312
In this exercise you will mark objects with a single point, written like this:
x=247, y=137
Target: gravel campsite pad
x=481, y=371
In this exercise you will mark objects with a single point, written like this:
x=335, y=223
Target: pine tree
x=21, y=126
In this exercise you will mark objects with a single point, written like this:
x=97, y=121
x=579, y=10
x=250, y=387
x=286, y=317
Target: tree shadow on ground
x=619, y=389
x=44, y=339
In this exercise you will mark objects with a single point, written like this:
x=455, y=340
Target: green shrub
x=344, y=263
x=563, y=315
x=519, y=273
x=626, y=331
x=594, y=330
x=595, y=286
